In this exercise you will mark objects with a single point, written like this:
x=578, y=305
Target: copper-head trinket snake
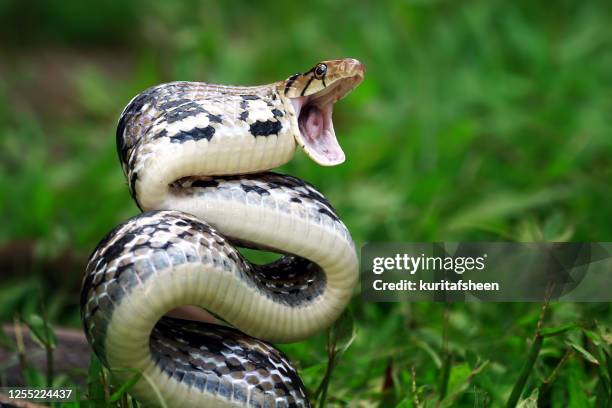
x=196, y=157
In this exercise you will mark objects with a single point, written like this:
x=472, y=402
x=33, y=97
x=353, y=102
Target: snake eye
x=320, y=71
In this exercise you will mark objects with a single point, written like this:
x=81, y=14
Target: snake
x=168, y=295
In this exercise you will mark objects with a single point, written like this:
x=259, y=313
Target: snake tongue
x=317, y=136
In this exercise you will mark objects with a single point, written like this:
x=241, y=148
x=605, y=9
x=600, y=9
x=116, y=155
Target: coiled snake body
x=195, y=156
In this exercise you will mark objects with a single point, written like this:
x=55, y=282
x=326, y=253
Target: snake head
x=313, y=95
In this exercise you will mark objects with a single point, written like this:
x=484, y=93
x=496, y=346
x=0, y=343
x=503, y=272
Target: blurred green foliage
x=477, y=120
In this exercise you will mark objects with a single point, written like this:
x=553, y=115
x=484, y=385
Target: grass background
x=478, y=120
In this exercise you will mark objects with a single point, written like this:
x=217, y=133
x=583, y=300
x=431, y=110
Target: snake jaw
x=316, y=134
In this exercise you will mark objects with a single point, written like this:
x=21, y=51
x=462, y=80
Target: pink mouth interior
x=314, y=118
x=317, y=131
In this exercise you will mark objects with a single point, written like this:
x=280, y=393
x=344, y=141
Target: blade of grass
x=445, y=375
x=339, y=338
x=532, y=356
x=446, y=366
x=587, y=356
x=459, y=389
x=415, y=393
x=122, y=391
x=545, y=388
x=555, y=331
x=534, y=351
x=50, y=343
x=95, y=382
x=160, y=398
x=20, y=344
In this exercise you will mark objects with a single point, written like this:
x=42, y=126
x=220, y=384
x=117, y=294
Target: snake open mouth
x=314, y=112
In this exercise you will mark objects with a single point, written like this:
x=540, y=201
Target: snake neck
x=188, y=129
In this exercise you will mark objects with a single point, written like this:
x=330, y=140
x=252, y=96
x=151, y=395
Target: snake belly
x=196, y=157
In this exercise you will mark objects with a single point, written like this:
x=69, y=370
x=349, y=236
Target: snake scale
x=196, y=157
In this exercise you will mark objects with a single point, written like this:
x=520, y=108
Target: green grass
x=478, y=120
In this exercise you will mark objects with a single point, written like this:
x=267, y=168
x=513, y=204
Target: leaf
x=459, y=376
x=588, y=356
x=555, y=229
x=342, y=333
x=603, y=389
x=41, y=332
x=529, y=402
x=528, y=366
x=555, y=331
x=460, y=379
x=445, y=375
x=593, y=336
